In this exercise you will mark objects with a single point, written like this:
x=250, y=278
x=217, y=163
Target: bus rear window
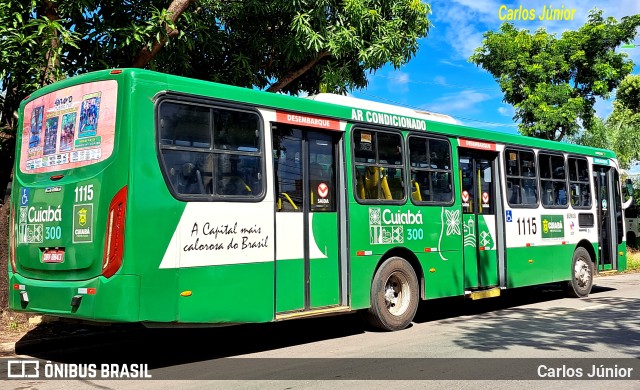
x=69, y=128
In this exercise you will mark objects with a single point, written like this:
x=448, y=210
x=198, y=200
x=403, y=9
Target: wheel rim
x=397, y=293
x=582, y=272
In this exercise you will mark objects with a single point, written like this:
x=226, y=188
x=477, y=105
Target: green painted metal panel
x=527, y=266
x=487, y=255
x=289, y=285
x=622, y=257
x=324, y=279
x=115, y=299
x=443, y=278
x=227, y=293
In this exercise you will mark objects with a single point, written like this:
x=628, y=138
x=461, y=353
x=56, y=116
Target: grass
x=633, y=260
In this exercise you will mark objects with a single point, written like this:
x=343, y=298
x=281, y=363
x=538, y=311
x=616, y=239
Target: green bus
x=145, y=197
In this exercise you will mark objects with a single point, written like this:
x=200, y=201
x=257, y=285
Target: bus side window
x=431, y=173
x=208, y=150
x=379, y=170
x=579, y=183
x=521, y=173
x=553, y=180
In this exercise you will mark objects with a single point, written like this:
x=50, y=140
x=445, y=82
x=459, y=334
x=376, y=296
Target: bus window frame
x=358, y=127
x=506, y=176
x=428, y=136
x=551, y=179
x=211, y=103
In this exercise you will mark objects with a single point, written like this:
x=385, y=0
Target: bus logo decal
x=30, y=233
x=453, y=222
x=82, y=223
x=470, y=232
x=552, y=226
x=23, y=215
x=383, y=234
x=387, y=227
x=82, y=216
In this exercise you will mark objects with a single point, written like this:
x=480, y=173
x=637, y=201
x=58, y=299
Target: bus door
x=306, y=178
x=609, y=206
x=479, y=201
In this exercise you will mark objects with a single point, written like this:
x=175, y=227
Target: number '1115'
x=527, y=226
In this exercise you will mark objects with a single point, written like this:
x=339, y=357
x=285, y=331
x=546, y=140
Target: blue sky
x=440, y=78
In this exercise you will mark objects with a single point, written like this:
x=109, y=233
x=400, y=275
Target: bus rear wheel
x=394, y=295
x=582, y=271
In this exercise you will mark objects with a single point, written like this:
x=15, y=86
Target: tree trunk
x=289, y=77
x=50, y=11
x=176, y=8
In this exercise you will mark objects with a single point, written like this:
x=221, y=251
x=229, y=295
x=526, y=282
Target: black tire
x=582, y=271
x=632, y=241
x=394, y=295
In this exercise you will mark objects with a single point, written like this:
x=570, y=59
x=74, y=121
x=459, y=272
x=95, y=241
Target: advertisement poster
x=69, y=128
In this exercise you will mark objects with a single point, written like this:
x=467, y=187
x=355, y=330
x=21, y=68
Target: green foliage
x=636, y=191
x=553, y=82
x=628, y=94
x=617, y=135
x=621, y=130
x=290, y=46
x=633, y=261
x=263, y=43
x=29, y=45
x=313, y=44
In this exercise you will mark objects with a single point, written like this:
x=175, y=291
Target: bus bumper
x=100, y=299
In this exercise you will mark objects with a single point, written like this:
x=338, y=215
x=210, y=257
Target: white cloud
x=463, y=101
x=451, y=64
x=506, y=111
x=398, y=82
x=440, y=80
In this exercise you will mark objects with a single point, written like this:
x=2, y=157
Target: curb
x=7, y=349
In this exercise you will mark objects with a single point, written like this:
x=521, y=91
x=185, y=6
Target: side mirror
x=629, y=185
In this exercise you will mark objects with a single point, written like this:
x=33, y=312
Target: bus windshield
x=69, y=128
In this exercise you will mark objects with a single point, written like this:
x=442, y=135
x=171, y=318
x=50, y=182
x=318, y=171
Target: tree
x=628, y=93
x=277, y=45
x=553, y=82
x=620, y=131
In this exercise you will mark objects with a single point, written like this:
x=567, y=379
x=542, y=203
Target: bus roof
x=313, y=106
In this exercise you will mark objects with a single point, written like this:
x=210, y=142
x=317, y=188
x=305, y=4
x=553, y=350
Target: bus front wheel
x=394, y=295
x=582, y=271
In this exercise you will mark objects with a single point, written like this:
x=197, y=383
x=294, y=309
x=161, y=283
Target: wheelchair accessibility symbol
x=24, y=198
x=509, y=216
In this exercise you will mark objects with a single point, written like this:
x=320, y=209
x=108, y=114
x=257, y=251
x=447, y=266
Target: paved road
x=532, y=323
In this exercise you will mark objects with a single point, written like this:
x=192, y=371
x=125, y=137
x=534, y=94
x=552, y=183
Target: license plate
x=53, y=256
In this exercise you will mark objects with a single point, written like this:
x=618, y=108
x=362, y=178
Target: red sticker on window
x=323, y=190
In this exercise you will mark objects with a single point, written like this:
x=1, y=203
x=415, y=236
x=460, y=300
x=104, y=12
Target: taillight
x=114, y=238
x=12, y=240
